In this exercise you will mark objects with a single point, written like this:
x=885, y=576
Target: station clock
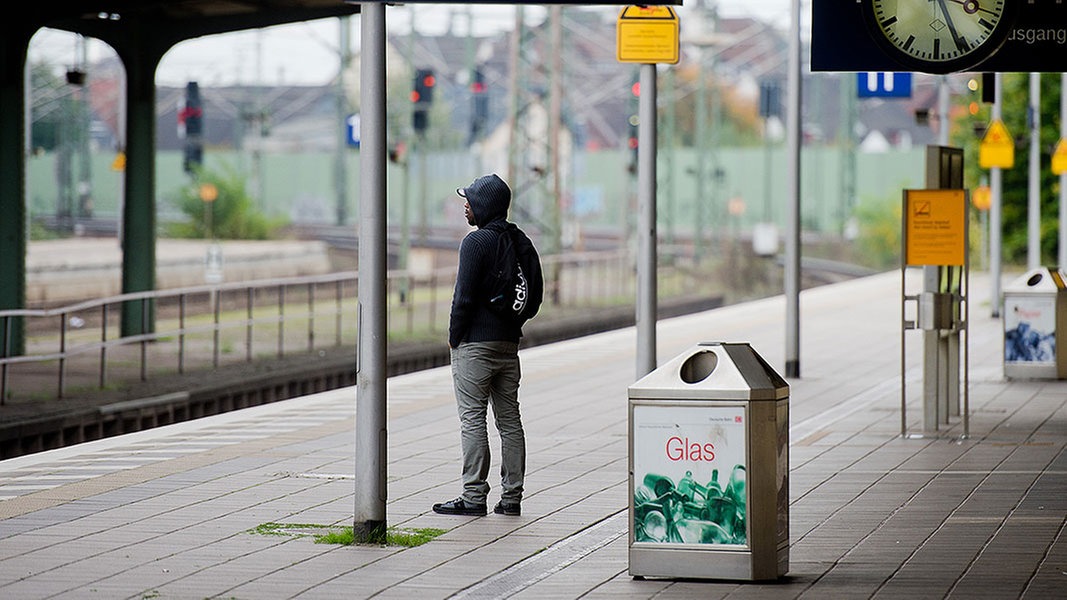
x=939, y=36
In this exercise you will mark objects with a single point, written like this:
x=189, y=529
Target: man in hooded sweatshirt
x=485, y=360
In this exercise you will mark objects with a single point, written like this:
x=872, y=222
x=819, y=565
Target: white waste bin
x=709, y=467
x=1035, y=314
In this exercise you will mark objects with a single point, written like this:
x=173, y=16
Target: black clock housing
x=928, y=60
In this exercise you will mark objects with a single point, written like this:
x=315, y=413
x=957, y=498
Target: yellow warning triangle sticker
x=997, y=149
x=647, y=12
x=997, y=135
x=1059, y=158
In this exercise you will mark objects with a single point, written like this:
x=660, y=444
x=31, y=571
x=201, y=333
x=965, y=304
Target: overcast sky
x=307, y=53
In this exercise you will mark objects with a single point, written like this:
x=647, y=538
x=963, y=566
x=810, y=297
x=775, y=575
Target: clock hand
x=960, y=43
x=971, y=6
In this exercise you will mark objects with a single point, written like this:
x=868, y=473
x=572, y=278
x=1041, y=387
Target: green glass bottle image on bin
x=649, y=510
x=736, y=488
x=687, y=487
x=690, y=513
x=713, y=488
x=659, y=484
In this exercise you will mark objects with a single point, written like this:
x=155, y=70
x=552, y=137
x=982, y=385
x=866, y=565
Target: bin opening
x=699, y=366
x=1035, y=279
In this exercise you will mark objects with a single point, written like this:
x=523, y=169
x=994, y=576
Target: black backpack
x=515, y=285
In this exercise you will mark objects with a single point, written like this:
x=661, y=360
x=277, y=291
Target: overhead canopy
x=140, y=32
x=172, y=21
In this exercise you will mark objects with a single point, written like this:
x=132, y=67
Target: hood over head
x=489, y=198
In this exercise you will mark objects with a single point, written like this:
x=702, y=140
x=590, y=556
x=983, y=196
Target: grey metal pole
x=942, y=110
x=405, y=166
x=340, y=174
x=646, y=223
x=1063, y=176
x=370, y=477
x=514, y=53
x=555, y=118
x=700, y=199
x=668, y=182
x=1033, y=217
x=994, y=209
x=792, y=232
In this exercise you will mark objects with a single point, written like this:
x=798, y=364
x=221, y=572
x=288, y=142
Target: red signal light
x=635, y=89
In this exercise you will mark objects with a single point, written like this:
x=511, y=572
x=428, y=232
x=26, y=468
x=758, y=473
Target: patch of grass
x=407, y=538
x=284, y=529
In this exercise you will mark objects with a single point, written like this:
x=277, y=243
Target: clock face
x=939, y=36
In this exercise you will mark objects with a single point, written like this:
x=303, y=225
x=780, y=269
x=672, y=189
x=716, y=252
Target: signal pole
x=792, y=232
x=340, y=165
x=1033, y=220
x=555, y=111
x=995, y=185
x=422, y=99
x=646, y=222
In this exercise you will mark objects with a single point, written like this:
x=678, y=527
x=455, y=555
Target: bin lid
x=1041, y=280
x=713, y=371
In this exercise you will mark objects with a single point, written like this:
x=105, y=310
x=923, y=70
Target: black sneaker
x=459, y=506
x=512, y=509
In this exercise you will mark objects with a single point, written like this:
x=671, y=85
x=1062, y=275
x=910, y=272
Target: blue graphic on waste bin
x=1030, y=331
x=690, y=475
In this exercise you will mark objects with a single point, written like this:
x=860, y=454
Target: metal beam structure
x=140, y=32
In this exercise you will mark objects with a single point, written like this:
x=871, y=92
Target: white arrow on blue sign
x=352, y=130
x=878, y=84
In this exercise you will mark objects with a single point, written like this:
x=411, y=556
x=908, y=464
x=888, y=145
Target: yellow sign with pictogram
x=647, y=35
x=935, y=227
x=997, y=149
x=1059, y=158
x=982, y=197
x=208, y=192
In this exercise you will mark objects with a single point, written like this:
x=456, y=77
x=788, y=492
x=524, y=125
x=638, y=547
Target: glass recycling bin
x=1035, y=317
x=709, y=467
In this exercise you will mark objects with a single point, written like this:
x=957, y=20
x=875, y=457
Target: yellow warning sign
x=1059, y=158
x=997, y=148
x=119, y=164
x=982, y=197
x=935, y=227
x=647, y=35
x=208, y=192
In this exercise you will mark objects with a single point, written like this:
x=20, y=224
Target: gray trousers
x=484, y=374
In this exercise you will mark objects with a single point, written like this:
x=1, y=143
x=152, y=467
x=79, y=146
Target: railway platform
x=221, y=507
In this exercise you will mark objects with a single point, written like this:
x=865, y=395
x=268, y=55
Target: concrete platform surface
x=177, y=512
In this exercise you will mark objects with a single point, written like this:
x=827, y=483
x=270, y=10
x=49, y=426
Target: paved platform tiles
x=170, y=512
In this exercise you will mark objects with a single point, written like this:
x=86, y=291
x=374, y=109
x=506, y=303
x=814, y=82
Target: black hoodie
x=471, y=320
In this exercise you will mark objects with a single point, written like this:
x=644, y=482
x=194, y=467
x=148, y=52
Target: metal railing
x=81, y=345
